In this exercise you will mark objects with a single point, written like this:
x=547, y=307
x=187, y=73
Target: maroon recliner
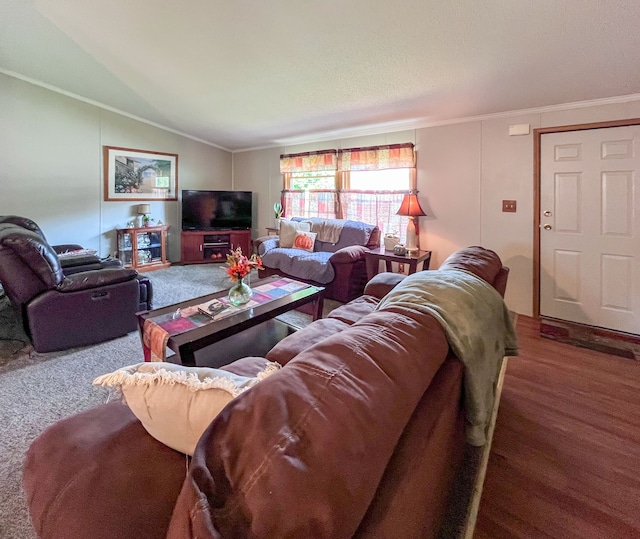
x=64, y=311
x=69, y=265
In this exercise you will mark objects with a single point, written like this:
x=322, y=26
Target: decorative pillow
x=289, y=229
x=305, y=241
x=175, y=404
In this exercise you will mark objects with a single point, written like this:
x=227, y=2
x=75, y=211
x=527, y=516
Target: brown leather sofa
x=60, y=310
x=358, y=435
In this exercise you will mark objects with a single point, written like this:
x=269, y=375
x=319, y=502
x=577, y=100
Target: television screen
x=213, y=210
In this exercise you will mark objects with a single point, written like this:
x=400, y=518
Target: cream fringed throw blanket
x=327, y=230
x=478, y=328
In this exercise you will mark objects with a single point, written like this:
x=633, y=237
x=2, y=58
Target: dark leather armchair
x=62, y=311
x=72, y=264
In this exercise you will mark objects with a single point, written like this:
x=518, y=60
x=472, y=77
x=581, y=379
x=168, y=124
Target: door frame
x=537, y=139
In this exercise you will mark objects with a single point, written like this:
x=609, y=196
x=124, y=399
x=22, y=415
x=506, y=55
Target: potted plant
x=277, y=210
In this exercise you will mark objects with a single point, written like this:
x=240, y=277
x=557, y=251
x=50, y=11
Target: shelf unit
x=203, y=247
x=144, y=249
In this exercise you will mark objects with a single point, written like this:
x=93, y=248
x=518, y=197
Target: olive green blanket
x=478, y=328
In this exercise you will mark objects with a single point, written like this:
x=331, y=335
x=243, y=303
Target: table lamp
x=410, y=207
x=143, y=210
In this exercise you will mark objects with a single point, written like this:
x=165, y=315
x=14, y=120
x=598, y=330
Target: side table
x=374, y=256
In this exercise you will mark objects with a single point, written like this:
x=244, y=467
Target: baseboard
x=472, y=514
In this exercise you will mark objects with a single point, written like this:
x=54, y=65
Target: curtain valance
x=308, y=162
x=377, y=157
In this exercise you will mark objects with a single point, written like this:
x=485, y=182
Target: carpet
x=36, y=390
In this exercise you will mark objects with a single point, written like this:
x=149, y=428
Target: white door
x=590, y=227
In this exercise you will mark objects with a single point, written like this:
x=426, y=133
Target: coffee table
x=250, y=331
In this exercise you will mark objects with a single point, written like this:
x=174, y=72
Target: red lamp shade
x=410, y=206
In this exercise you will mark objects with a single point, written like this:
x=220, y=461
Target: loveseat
x=333, y=257
x=359, y=434
x=64, y=310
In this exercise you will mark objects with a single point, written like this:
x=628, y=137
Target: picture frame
x=139, y=175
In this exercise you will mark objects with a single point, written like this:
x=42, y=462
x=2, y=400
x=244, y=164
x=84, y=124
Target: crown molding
x=377, y=129
x=100, y=105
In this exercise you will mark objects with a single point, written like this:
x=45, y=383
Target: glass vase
x=240, y=293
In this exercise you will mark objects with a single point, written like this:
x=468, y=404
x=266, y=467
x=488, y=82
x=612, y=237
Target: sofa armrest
x=348, y=255
x=382, y=283
x=264, y=244
x=95, y=279
x=102, y=463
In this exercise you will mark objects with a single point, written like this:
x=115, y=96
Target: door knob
x=547, y=227
x=547, y=213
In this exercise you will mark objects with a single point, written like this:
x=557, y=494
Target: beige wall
x=51, y=166
x=50, y=150
x=465, y=170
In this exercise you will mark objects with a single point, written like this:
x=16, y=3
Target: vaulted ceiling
x=248, y=73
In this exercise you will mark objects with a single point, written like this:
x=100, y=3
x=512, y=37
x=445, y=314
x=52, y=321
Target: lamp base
x=411, y=244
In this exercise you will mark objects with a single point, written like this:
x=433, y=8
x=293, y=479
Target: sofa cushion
x=322, y=431
x=288, y=231
x=292, y=345
x=301, y=264
x=352, y=233
x=175, y=403
x=338, y=320
x=356, y=309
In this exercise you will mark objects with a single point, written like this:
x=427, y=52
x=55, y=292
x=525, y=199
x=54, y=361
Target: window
x=310, y=203
x=311, y=194
x=309, y=184
x=394, y=179
x=374, y=197
x=312, y=180
x=361, y=184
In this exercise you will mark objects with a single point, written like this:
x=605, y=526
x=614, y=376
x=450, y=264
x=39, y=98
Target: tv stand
x=207, y=246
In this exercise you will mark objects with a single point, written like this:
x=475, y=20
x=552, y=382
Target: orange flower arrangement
x=240, y=266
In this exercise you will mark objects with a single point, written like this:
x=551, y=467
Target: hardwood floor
x=565, y=459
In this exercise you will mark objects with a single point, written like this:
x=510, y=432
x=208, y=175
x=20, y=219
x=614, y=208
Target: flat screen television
x=215, y=210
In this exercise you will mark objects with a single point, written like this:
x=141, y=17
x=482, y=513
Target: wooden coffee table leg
x=318, y=305
x=187, y=356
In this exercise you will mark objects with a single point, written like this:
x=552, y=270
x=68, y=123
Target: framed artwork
x=134, y=175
